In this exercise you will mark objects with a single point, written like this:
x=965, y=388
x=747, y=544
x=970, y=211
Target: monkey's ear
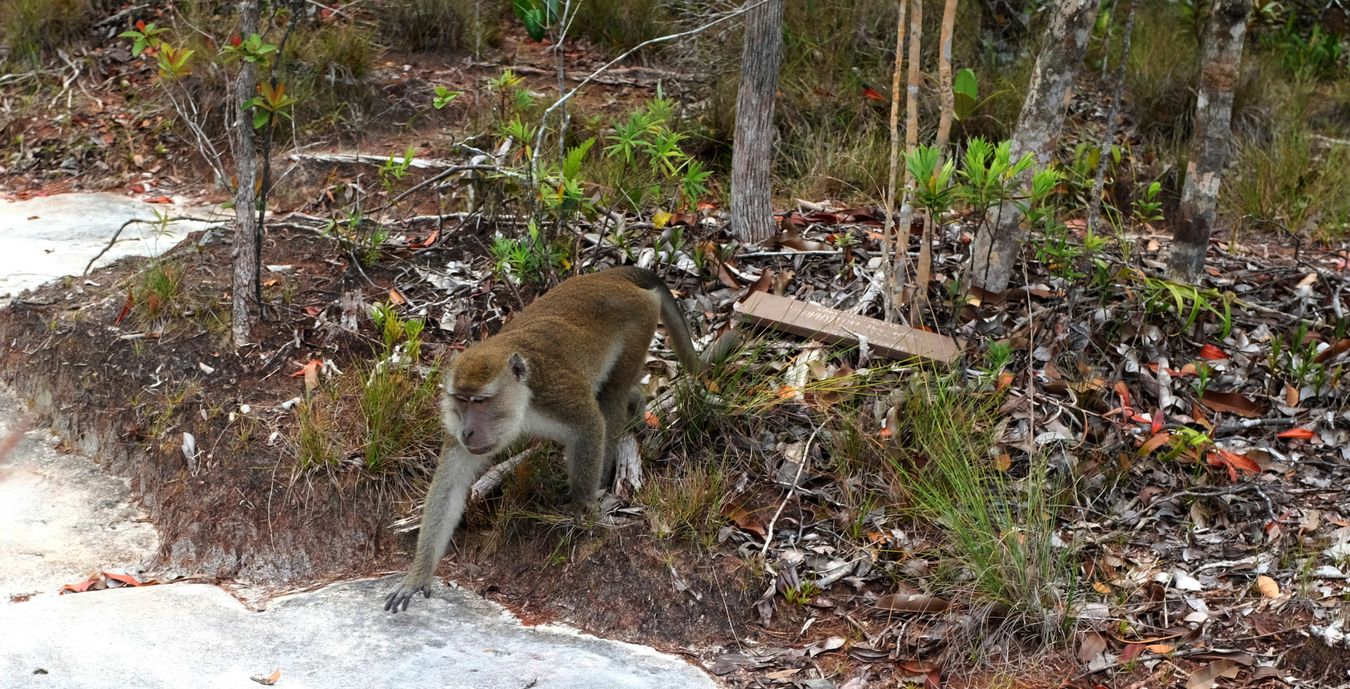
x=519, y=368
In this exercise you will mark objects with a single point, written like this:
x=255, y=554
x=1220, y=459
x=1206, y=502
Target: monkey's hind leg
x=585, y=458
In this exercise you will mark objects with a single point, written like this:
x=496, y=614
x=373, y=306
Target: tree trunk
x=923, y=269
x=1209, y=143
x=752, y=151
x=994, y=254
x=247, y=233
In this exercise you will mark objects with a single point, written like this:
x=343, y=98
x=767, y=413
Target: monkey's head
x=486, y=396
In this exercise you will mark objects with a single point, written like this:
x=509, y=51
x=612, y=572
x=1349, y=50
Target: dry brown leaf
x=269, y=680
x=1333, y=351
x=1205, y=677
x=1091, y=645
x=1233, y=403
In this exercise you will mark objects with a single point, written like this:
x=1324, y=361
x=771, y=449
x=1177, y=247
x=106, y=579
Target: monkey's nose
x=467, y=437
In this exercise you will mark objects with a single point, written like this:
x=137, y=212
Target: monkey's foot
x=399, y=598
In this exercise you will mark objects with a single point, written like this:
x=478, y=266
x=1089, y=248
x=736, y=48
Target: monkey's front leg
x=441, y=514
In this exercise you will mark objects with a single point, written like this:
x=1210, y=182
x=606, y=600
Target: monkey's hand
x=399, y=598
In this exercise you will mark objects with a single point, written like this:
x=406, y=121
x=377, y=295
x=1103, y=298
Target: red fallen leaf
x=235, y=40
x=313, y=310
x=311, y=373
x=430, y=240
x=762, y=284
x=136, y=188
x=873, y=94
x=651, y=419
x=1131, y=652
x=122, y=578
x=1212, y=353
x=80, y=587
x=126, y=309
x=1157, y=423
x=1123, y=392
x=157, y=199
x=395, y=297
x=140, y=25
x=1233, y=403
x=1296, y=434
x=1233, y=462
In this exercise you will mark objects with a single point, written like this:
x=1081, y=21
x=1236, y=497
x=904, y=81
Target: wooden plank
x=832, y=326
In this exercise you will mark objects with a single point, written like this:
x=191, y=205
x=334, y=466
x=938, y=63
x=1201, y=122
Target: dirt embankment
x=125, y=393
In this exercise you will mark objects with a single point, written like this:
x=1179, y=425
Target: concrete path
x=62, y=519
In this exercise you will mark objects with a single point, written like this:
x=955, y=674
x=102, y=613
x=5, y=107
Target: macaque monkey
x=565, y=369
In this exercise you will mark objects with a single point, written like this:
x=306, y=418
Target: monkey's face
x=482, y=407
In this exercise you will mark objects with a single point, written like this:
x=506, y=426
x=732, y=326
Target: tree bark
x=1209, y=144
x=994, y=253
x=247, y=233
x=944, y=130
x=892, y=242
x=752, y=149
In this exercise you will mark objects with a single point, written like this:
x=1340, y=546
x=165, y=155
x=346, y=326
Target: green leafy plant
x=271, y=102
x=363, y=239
x=1147, y=205
x=144, y=36
x=393, y=171
x=443, y=97
x=173, y=62
x=1187, y=302
x=536, y=15
x=528, y=259
x=965, y=94
x=251, y=48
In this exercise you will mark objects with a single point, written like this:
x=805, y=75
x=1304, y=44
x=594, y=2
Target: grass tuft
x=1000, y=549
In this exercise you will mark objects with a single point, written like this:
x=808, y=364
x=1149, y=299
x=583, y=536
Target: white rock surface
x=45, y=238
x=61, y=517
x=195, y=635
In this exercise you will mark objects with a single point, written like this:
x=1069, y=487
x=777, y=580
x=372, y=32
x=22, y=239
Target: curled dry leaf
x=1267, y=586
x=911, y=602
x=268, y=680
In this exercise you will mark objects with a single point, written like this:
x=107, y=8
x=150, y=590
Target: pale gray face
x=485, y=418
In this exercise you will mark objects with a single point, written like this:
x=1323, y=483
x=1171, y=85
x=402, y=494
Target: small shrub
x=622, y=24
x=29, y=28
x=1162, y=70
